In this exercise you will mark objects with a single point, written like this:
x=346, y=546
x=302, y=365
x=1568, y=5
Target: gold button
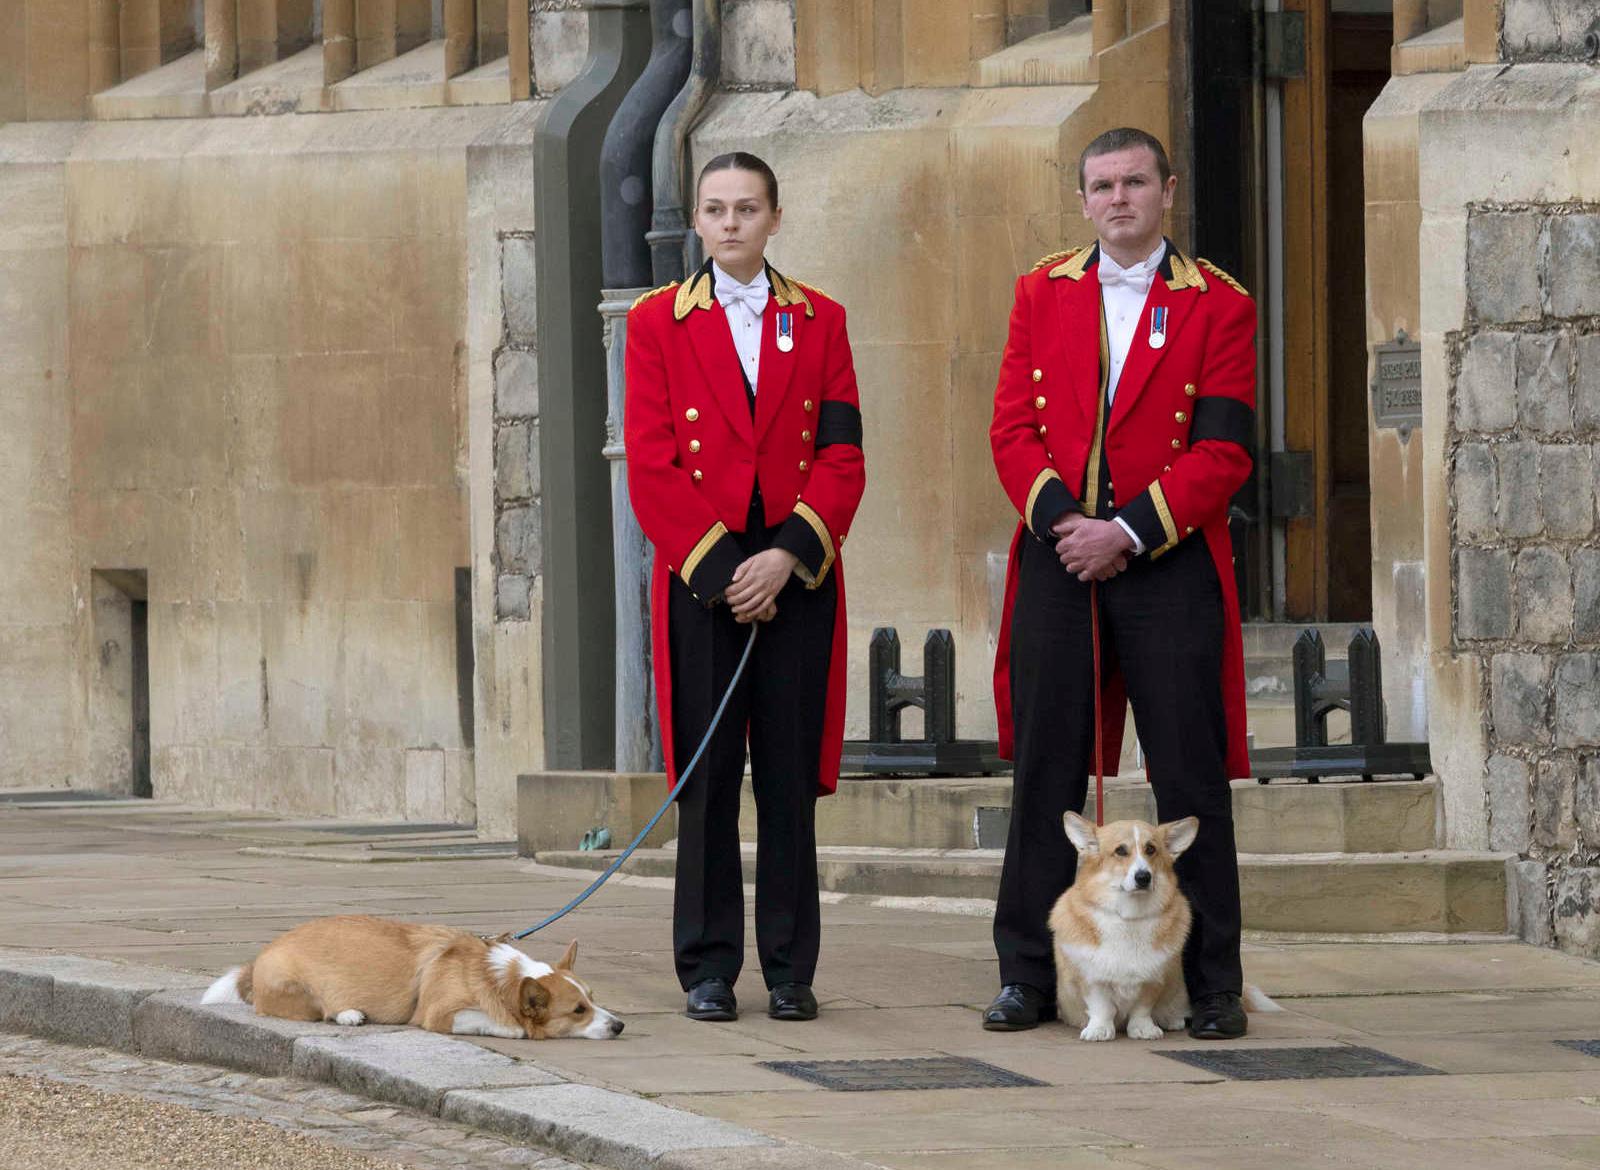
x=1038, y=375
x=804, y=465
x=1038, y=403
x=1111, y=487
x=1042, y=428
x=699, y=475
x=808, y=405
x=1189, y=390
x=694, y=446
x=1180, y=417
x=1188, y=530
x=691, y=414
x=1167, y=468
x=805, y=436
x=1177, y=444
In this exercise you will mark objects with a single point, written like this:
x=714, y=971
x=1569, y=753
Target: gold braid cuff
x=698, y=553
x=1168, y=525
x=1043, y=478
x=809, y=514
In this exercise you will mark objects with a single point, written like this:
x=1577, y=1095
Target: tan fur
x=1118, y=949
x=400, y=973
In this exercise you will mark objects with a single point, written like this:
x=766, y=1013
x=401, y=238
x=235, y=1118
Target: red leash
x=1099, y=730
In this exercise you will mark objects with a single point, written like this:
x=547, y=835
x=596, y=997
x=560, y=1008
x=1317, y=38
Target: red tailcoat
x=1178, y=442
x=694, y=455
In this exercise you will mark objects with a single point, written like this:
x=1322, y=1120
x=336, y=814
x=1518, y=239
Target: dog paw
x=350, y=1018
x=1099, y=1030
x=1145, y=1029
x=1171, y=1022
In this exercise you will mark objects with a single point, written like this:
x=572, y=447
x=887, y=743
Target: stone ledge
x=596, y=1124
x=409, y=1067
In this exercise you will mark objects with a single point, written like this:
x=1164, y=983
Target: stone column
x=638, y=734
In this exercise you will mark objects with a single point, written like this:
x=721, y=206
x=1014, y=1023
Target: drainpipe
x=674, y=250
x=625, y=158
x=579, y=621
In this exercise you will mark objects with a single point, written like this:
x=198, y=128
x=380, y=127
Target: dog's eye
x=579, y=1010
x=1149, y=850
x=1122, y=851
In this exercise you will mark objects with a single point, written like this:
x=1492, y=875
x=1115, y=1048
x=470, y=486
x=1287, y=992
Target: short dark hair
x=739, y=160
x=1121, y=139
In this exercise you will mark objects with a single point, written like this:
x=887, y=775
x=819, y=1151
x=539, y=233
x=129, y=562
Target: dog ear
x=533, y=999
x=503, y=937
x=1179, y=835
x=1081, y=833
x=569, y=958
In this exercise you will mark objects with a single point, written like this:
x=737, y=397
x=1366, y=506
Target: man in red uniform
x=1124, y=421
x=743, y=434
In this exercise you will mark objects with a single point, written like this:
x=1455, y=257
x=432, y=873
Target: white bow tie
x=1137, y=278
x=751, y=296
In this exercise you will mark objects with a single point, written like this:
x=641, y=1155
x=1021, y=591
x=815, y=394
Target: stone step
x=1283, y=817
x=1432, y=891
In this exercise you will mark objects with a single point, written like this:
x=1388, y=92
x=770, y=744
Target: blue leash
x=683, y=779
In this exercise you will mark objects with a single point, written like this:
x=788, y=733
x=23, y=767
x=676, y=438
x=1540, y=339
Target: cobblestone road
x=69, y=1108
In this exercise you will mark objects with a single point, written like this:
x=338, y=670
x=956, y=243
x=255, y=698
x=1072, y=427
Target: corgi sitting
x=357, y=969
x=1120, y=928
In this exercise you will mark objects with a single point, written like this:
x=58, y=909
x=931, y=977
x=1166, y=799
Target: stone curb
x=157, y=1013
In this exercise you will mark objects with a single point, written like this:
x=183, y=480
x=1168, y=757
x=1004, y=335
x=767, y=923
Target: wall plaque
x=1397, y=384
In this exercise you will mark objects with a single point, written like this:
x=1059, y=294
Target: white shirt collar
x=1140, y=272
x=725, y=285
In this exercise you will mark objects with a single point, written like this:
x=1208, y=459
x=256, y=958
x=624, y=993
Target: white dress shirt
x=1122, y=296
x=743, y=305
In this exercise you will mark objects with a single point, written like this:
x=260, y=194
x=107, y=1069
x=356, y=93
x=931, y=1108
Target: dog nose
x=1142, y=879
x=616, y=1027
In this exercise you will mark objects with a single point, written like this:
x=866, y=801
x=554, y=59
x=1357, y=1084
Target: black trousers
x=778, y=706
x=1161, y=621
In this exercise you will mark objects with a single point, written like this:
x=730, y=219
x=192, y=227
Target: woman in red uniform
x=743, y=434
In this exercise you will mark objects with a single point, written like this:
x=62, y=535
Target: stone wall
x=1525, y=449
x=239, y=355
x=1510, y=310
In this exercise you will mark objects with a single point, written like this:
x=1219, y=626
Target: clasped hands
x=756, y=583
x=1093, y=550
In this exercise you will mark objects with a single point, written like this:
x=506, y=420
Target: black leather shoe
x=1018, y=1007
x=792, y=1001
x=712, y=999
x=1218, y=1016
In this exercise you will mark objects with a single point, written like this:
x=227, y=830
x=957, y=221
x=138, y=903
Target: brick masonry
x=518, y=532
x=1523, y=450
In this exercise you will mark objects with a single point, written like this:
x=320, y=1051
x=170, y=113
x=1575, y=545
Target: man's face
x=1124, y=197
x=734, y=218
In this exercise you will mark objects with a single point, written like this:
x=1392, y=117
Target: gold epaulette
x=1075, y=264
x=1222, y=276
x=1053, y=258
x=643, y=297
x=787, y=291
x=694, y=293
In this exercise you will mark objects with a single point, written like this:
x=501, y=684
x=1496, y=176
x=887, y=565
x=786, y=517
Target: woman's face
x=734, y=218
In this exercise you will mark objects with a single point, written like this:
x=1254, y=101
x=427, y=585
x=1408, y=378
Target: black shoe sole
x=1216, y=1034
x=713, y=1015
x=1008, y=1026
x=791, y=1014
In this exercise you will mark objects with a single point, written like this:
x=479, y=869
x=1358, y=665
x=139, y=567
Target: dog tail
x=1257, y=1001
x=232, y=987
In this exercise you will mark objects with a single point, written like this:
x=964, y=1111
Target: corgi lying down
x=362, y=970
x=1119, y=930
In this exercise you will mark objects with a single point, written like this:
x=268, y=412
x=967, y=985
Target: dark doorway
x=1358, y=47
x=119, y=698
